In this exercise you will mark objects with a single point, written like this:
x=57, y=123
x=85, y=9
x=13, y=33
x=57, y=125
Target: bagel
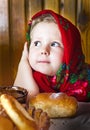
x=55, y=104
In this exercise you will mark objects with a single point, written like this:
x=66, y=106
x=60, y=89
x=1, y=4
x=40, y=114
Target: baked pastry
x=4, y=122
x=55, y=104
x=41, y=118
x=17, y=113
x=23, y=119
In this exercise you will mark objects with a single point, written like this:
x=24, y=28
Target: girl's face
x=46, y=50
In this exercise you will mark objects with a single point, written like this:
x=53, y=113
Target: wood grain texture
x=70, y=10
x=32, y=6
x=52, y=4
x=83, y=23
x=17, y=32
x=5, y=73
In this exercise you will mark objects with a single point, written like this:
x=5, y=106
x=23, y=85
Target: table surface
x=81, y=121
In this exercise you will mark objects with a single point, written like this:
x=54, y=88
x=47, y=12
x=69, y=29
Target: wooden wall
x=14, y=16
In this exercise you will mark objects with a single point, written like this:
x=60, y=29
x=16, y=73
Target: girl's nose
x=45, y=51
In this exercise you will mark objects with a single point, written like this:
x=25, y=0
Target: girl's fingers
x=25, y=51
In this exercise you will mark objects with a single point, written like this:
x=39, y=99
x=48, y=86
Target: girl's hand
x=24, y=77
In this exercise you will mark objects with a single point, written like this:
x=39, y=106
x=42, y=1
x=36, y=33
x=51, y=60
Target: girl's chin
x=45, y=72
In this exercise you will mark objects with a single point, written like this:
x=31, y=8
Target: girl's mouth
x=44, y=61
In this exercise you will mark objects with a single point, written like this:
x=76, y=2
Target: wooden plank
x=5, y=73
x=17, y=32
x=32, y=6
x=70, y=10
x=85, y=36
x=52, y=5
x=86, y=6
x=84, y=26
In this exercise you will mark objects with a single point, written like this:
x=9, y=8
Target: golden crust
x=17, y=113
x=55, y=104
x=4, y=122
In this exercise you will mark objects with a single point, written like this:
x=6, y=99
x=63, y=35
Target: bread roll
x=17, y=113
x=55, y=104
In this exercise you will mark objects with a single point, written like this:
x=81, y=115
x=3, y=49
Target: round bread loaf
x=55, y=104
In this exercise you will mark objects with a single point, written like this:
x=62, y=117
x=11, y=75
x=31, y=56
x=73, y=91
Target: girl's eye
x=55, y=44
x=37, y=43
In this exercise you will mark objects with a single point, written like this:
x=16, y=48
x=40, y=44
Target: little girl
x=55, y=61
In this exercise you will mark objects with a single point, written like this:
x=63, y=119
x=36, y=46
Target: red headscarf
x=73, y=77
